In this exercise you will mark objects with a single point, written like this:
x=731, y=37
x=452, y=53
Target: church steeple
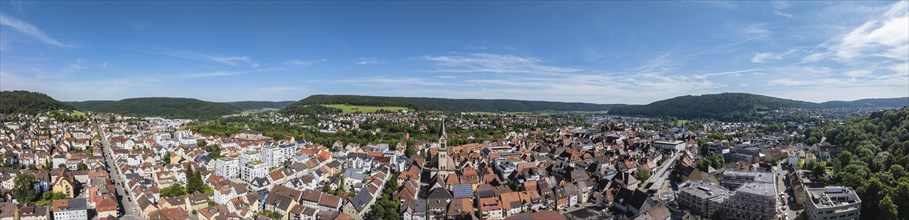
x=443, y=134
x=443, y=138
x=443, y=162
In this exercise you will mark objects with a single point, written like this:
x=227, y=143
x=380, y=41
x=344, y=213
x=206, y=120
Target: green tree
x=167, y=157
x=24, y=188
x=888, y=209
x=201, y=143
x=642, y=174
x=82, y=166
x=175, y=190
x=194, y=182
x=215, y=152
x=409, y=151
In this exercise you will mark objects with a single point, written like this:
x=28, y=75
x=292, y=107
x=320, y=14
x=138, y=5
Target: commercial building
x=753, y=200
x=702, y=198
x=670, y=145
x=832, y=202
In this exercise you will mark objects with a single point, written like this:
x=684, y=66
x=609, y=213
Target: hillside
x=159, y=106
x=874, y=162
x=448, y=105
x=888, y=102
x=738, y=106
x=252, y=105
x=29, y=102
x=725, y=106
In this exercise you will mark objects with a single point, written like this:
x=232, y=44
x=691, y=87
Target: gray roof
x=361, y=199
x=463, y=191
x=77, y=204
x=419, y=206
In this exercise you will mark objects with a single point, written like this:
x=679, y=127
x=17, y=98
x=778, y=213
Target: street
x=128, y=209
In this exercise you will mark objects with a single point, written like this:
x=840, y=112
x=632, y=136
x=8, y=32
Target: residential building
x=70, y=209
x=833, y=202
x=701, y=198
x=227, y=167
x=254, y=169
x=753, y=200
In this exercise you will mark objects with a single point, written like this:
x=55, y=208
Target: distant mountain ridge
x=882, y=102
x=738, y=106
x=160, y=106
x=252, y=105
x=450, y=105
x=19, y=101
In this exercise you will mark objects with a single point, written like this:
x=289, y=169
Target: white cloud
x=735, y=73
x=228, y=60
x=764, y=57
x=302, y=62
x=885, y=36
x=211, y=74
x=396, y=82
x=366, y=61
x=30, y=30
x=757, y=30
x=900, y=68
x=858, y=73
x=760, y=57
x=493, y=63
x=784, y=14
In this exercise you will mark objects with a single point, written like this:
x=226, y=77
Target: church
x=444, y=163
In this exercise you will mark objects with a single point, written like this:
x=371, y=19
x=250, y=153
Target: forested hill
x=874, y=162
x=449, y=105
x=29, y=102
x=250, y=105
x=738, y=106
x=888, y=102
x=159, y=106
x=725, y=106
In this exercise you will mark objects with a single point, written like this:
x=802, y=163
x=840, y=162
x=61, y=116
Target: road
x=659, y=178
x=790, y=210
x=128, y=208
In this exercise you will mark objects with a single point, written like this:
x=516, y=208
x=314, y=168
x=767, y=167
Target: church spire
x=443, y=134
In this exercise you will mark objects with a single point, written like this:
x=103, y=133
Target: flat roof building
x=702, y=198
x=753, y=200
x=832, y=202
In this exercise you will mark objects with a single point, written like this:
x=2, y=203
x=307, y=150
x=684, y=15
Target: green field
x=364, y=109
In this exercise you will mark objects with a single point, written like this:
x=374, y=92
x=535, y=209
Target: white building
x=670, y=145
x=254, y=169
x=70, y=209
x=833, y=202
x=227, y=167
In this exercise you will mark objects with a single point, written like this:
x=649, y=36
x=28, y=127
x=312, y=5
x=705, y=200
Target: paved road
x=659, y=178
x=128, y=208
x=790, y=209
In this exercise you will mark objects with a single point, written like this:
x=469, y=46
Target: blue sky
x=599, y=52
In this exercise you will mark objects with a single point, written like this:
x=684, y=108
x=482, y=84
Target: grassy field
x=364, y=109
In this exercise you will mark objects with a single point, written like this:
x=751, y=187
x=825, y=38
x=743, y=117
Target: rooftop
x=833, y=196
x=758, y=188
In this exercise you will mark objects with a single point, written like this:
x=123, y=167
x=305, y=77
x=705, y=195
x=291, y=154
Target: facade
x=227, y=167
x=754, y=200
x=254, y=169
x=833, y=202
x=70, y=209
x=670, y=145
x=702, y=198
x=732, y=180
